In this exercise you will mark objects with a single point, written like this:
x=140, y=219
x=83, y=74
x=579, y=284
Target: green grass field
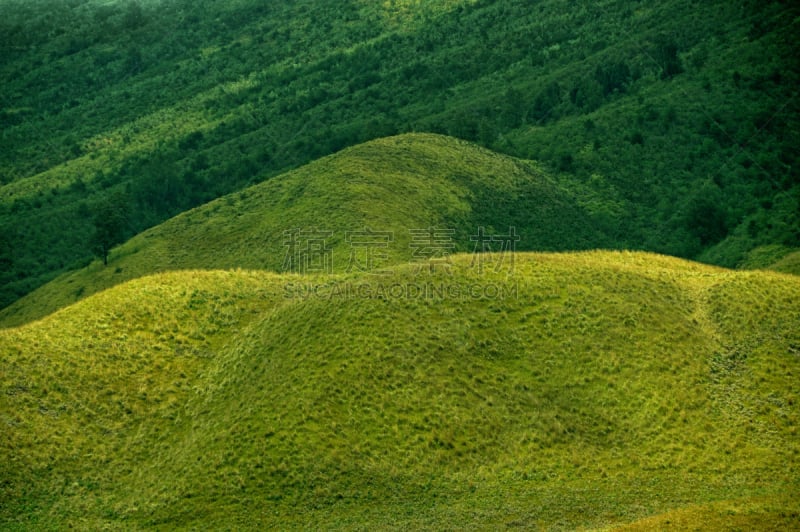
x=581, y=390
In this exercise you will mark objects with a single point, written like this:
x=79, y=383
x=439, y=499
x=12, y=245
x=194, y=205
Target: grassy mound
x=391, y=185
x=564, y=390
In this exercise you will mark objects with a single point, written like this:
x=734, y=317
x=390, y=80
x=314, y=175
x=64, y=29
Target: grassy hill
x=680, y=117
x=581, y=390
x=316, y=318
x=394, y=185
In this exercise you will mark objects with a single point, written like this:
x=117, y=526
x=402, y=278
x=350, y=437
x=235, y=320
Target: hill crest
x=395, y=186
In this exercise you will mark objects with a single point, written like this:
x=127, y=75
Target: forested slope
x=681, y=117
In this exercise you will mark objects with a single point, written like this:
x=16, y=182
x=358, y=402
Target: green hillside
x=399, y=265
x=789, y=263
x=777, y=258
x=393, y=186
x=681, y=118
x=582, y=390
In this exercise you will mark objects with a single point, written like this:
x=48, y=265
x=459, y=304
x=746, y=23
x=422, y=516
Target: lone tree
x=110, y=224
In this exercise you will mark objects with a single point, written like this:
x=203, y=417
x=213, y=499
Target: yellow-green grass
x=397, y=184
x=580, y=390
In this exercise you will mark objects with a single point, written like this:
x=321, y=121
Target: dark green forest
x=674, y=123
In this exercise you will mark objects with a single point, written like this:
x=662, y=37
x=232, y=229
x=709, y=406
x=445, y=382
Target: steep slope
x=395, y=185
x=569, y=390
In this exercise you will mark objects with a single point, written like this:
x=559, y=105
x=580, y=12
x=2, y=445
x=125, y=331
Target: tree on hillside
x=133, y=16
x=706, y=216
x=110, y=224
x=544, y=104
x=613, y=76
x=666, y=55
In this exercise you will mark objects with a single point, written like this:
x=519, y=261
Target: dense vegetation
x=679, y=120
x=590, y=390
